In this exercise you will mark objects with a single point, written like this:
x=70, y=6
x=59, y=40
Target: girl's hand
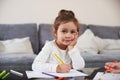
x=63, y=68
x=73, y=42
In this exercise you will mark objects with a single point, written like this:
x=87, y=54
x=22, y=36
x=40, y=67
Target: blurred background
x=100, y=12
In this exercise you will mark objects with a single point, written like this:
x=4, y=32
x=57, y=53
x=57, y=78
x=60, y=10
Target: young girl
x=65, y=30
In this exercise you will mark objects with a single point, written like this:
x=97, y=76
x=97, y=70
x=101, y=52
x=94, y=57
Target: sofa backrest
x=108, y=32
x=45, y=32
x=11, y=31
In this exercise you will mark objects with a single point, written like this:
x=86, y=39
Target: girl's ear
x=54, y=32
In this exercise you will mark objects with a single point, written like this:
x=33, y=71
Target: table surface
x=15, y=77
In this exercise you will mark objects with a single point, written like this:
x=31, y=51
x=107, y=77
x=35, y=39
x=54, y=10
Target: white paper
x=37, y=74
x=106, y=76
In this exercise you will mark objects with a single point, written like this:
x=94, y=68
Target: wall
x=103, y=12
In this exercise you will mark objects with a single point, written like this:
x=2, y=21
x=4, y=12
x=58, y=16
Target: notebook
x=38, y=74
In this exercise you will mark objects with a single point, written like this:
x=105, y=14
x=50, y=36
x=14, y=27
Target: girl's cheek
x=76, y=35
x=73, y=36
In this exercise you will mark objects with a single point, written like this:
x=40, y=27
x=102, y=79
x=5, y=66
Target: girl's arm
x=77, y=60
x=40, y=62
x=73, y=43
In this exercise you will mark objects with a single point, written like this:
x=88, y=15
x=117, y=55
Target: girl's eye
x=73, y=32
x=64, y=31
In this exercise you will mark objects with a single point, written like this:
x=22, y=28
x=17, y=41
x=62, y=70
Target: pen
x=58, y=58
x=16, y=73
x=56, y=77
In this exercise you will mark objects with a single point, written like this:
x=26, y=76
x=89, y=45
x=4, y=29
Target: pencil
x=58, y=58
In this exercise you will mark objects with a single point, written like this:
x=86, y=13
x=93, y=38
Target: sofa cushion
x=16, y=58
x=110, y=32
x=16, y=61
x=99, y=60
x=22, y=45
x=11, y=31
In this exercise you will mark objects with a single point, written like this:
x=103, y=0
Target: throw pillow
x=1, y=47
x=108, y=45
x=112, y=51
x=113, y=44
x=101, y=43
x=86, y=44
x=22, y=45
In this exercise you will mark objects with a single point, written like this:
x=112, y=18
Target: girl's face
x=66, y=34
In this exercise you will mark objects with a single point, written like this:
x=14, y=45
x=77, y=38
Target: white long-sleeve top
x=45, y=60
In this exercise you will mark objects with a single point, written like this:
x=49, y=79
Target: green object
x=2, y=73
x=5, y=76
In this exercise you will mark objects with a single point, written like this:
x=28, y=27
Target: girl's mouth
x=68, y=40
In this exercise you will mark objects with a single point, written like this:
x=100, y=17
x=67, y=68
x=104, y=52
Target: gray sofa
x=18, y=61
x=39, y=34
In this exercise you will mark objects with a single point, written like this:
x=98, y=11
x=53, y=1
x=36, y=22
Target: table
x=15, y=77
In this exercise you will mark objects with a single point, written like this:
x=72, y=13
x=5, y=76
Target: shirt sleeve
x=40, y=62
x=77, y=60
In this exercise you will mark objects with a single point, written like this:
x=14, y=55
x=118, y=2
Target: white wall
x=103, y=12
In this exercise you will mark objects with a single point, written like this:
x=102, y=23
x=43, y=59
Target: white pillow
x=112, y=51
x=107, y=45
x=22, y=45
x=113, y=44
x=85, y=42
x=101, y=43
x=1, y=47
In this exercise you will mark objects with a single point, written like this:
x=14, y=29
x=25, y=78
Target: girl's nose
x=69, y=35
